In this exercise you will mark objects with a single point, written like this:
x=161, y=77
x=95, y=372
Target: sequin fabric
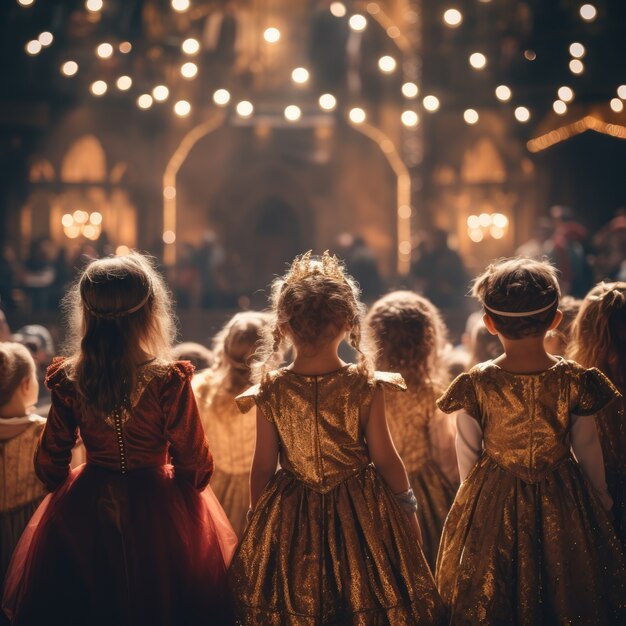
x=327, y=543
x=526, y=541
x=409, y=416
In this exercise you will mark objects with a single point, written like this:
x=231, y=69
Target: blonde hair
x=313, y=306
x=16, y=364
x=598, y=336
x=410, y=336
x=118, y=312
x=515, y=286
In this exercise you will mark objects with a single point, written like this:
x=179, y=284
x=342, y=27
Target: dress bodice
x=318, y=420
x=526, y=418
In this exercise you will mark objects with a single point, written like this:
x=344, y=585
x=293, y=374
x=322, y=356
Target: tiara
x=305, y=266
x=110, y=315
x=521, y=313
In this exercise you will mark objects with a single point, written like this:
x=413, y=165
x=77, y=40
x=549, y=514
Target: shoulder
x=257, y=394
x=391, y=381
x=57, y=373
x=590, y=389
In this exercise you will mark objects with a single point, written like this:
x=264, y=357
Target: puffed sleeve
x=246, y=400
x=54, y=452
x=389, y=381
x=460, y=395
x=189, y=449
x=258, y=395
x=593, y=391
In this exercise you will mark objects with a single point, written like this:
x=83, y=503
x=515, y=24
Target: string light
x=293, y=113
x=182, y=108
x=93, y=5
x=300, y=75
x=357, y=115
x=588, y=12
x=357, y=22
x=410, y=90
x=410, y=118
x=576, y=128
x=470, y=116
x=45, y=39
x=221, y=97
x=190, y=46
x=271, y=35
x=576, y=66
x=559, y=107
x=522, y=114
x=478, y=60
x=453, y=18
x=189, y=70
x=621, y=92
x=99, y=88
x=124, y=83
x=160, y=93
x=33, y=47
x=180, y=5
x=144, y=101
x=503, y=93
x=338, y=9
x=617, y=105
x=327, y=101
x=69, y=68
x=387, y=64
x=104, y=50
x=565, y=93
x=431, y=103
x=245, y=108
x=577, y=50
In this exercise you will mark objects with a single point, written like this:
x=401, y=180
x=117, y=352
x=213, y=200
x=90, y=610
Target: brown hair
x=598, y=337
x=410, y=335
x=16, y=364
x=519, y=285
x=569, y=306
x=119, y=311
x=313, y=304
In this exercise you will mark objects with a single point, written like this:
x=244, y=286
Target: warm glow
x=577, y=50
x=404, y=247
x=93, y=5
x=144, y=101
x=530, y=55
x=358, y=22
x=69, y=68
x=522, y=114
x=559, y=107
x=271, y=35
x=410, y=90
x=328, y=102
x=566, y=93
x=221, y=97
x=503, y=93
x=499, y=220
x=160, y=93
x=169, y=236
x=191, y=46
x=576, y=66
x=80, y=217
x=431, y=103
x=410, y=118
x=33, y=47
x=476, y=235
x=72, y=231
x=124, y=83
x=496, y=232
x=478, y=60
x=104, y=50
x=169, y=193
x=293, y=113
x=484, y=220
x=96, y=218
x=387, y=64
x=404, y=211
x=122, y=250
x=453, y=18
x=300, y=75
x=245, y=108
x=617, y=105
x=472, y=222
x=470, y=116
x=45, y=38
x=67, y=220
x=357, y=115
x=26, y=3
x=189, y=70
x=393, y=32
x=338, y=9
x=182, y=108
x=180, y=5
x=621, y=92
x=125, y=47
x=588, y=12
x=373, y=8
x=99, y=88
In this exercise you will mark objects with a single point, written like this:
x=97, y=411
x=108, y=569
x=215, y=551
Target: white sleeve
x=588, y=452
x=469, y=442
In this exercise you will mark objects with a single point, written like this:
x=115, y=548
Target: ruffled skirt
x=233, y=493
x=106, y=548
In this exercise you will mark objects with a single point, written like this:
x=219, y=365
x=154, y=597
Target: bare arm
x=469, y=442
x=265, y=457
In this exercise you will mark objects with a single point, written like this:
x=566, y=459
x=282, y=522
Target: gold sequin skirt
x=233, y=493
x=345, y=557
x=514, y=552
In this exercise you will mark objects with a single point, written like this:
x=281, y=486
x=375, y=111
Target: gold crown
x=305, y=266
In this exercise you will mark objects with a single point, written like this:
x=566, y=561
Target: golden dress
x=410, y=416
x=232, y=436
x=328, y=543
x=526, y=541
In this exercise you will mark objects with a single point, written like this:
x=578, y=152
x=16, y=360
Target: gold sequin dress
x=328, y=544
x=232, y=436
x=526, y=541
x=409, y=416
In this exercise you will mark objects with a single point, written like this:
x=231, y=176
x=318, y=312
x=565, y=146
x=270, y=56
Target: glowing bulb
x=45, y=38
x=144, y=101
x=410, y=90
x=293, y=113
x=338, y=9
x=182, y=108
x=565, y=93
x=577, y=50
x=104, y=50
x=522, y=114
x=559, y=107
x=122, y=250
x=405, y=211
x=67, y=220
x=191, y=46
x=588, y=12
x=94, y=5
x=453, y=18
x=99, y=88
x=476, y=235
x=576, y=66
x=80, y=217
x=69, y=68
x=503, y=93
x=478, y=60
x=328, y=102
x=387, y=64
x=271, y=35
x=33, y=47
x=357, y=22
x=431, y=103
x=496, y=232
x=180, y=5
x=169, y=192
x=621, y=92
x=169, y=236
x=189, y=70
x=125, y=47
x=410, y=118
x=95, y=218
x=470, y=116
x=617, y=105
x=160, y=93
x=300, y=75
x=484, y=220
x=124, y=83
x=245, y=108
x=221, y=97
x=499, y=220
x=472, y=222
x=357, y=115
x=26, y=3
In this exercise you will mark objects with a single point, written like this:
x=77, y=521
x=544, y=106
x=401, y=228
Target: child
x=599, y=340
x=124, y=539
x=328, y=542
x=527, y=541
x=231, y=433
x=411, y=335
x=557, y=339
x=20, y=491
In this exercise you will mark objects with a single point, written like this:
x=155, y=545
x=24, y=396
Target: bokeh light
x=327, y=101
x=357, y=115
x=431, y=103
x=98, y=88
x=292, y=113
x=410, y=90
x=357, y=22
x=452, y=18
x=124, y=83
x=470, y=116
x=182, y=108
x=245, y=108
x=271, y=35
x=478, y=60
x=221, y=97
x=410, y=118
x=69, y=68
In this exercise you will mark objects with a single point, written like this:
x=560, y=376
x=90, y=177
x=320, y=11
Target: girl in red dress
x=126, y=538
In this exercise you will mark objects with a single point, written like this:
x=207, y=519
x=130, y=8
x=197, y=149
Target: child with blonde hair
x=528, y=539
x=126, y=538
x=411, y=336
x=232, y=434
x=599, y=340
x=333, y=537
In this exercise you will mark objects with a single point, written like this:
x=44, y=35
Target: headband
x=110, y=315
x=521, y=313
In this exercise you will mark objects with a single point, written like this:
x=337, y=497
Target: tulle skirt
x=106, y=548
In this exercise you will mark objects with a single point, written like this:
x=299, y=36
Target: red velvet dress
x=126, y=538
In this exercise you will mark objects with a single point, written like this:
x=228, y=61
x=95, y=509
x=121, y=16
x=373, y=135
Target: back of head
x=410, y=336
x=199, y=356
x=598, y=336
x=119, y=315
x=520, y=295
x=16, y=364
